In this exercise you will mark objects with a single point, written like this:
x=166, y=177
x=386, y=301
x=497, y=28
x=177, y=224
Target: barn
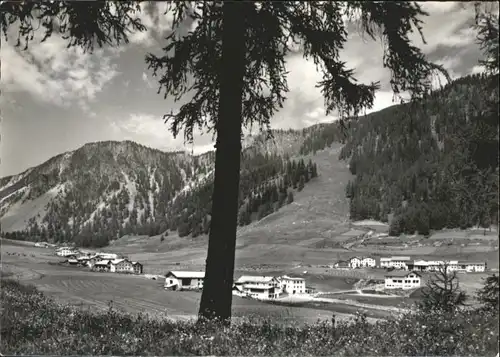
x=184, y=280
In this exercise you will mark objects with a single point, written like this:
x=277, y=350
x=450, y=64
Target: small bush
x=32, y=323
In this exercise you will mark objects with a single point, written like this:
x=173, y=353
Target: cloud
x=152, y=131
x=450, y=42
x=52, y=73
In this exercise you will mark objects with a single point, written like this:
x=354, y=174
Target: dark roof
x=399, y=273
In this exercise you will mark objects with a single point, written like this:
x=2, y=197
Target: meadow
x=136, y=294
x=33, y=323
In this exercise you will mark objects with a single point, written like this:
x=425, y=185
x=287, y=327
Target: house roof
x=400, y=274
x=116, y=261
x=102, y=262
x=360, y=258
x=187, y=274
x=472, y=263
x=254, y=286
x=400, y=258
x=286, y=277
x=107, y=254
x=254, y=279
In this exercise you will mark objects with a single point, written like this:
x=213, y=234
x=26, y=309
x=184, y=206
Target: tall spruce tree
x=232, y=66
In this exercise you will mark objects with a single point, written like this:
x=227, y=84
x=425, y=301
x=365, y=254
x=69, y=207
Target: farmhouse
x=292, y=285
x=65, y=251
x=184, y=280
x=258, y=287
x=109, y=256
x=121, y=266
x=83, y=261
x=472, y=266
x=395, y=262
x=400, y=262
x=452, y=265
x=402, y=280
x=385, y=262
x=138, y=267
x=102, y=265
x=358, y=262
x=418, y=265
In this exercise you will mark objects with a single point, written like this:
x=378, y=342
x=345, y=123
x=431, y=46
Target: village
x=401, y=273
x=96, y=261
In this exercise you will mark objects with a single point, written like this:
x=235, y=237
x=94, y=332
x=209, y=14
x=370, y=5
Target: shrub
x=32, y=323
x=489, y=294
x=442, y=292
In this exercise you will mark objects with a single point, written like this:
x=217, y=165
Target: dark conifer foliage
x=433, y=169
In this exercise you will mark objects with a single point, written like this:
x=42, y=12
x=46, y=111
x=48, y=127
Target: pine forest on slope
x=427, y=165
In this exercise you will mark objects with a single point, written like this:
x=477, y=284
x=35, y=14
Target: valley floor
x=134, y=294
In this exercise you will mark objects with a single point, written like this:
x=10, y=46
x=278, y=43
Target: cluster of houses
x=105, y=262
x=404, y=271
x=407, y=263
x=257, y=287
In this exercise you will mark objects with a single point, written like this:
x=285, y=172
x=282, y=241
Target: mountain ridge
x=129, y=182
x=402, y=160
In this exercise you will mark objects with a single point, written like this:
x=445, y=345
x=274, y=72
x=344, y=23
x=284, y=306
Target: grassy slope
x=287, y=237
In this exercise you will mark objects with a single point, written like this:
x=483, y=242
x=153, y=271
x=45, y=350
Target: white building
x=355, y=262
x=259, y=287
x=362, y=262
x=101, y=265
x=452, y=265
x=121, y=266
x=184, y=280
x=66, y=251
x=402, y=280
x=292, y=285
x=385, y=262
x=109, y=256
x=471, y=267
x=399, y=262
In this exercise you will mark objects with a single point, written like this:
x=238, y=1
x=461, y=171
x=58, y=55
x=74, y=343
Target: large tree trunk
x=216, y=298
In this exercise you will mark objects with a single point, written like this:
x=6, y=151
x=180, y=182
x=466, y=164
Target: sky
x=56, y=99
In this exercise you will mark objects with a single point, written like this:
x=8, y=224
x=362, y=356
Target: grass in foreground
x=32, y=323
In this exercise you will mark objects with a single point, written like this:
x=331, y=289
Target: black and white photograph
x=242, y=178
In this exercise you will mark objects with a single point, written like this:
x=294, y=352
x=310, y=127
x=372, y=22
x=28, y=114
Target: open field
x=134, y=294
x=87, y=289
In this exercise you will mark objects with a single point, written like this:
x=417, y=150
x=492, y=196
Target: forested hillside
x=432, y=164
x=107, y=189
